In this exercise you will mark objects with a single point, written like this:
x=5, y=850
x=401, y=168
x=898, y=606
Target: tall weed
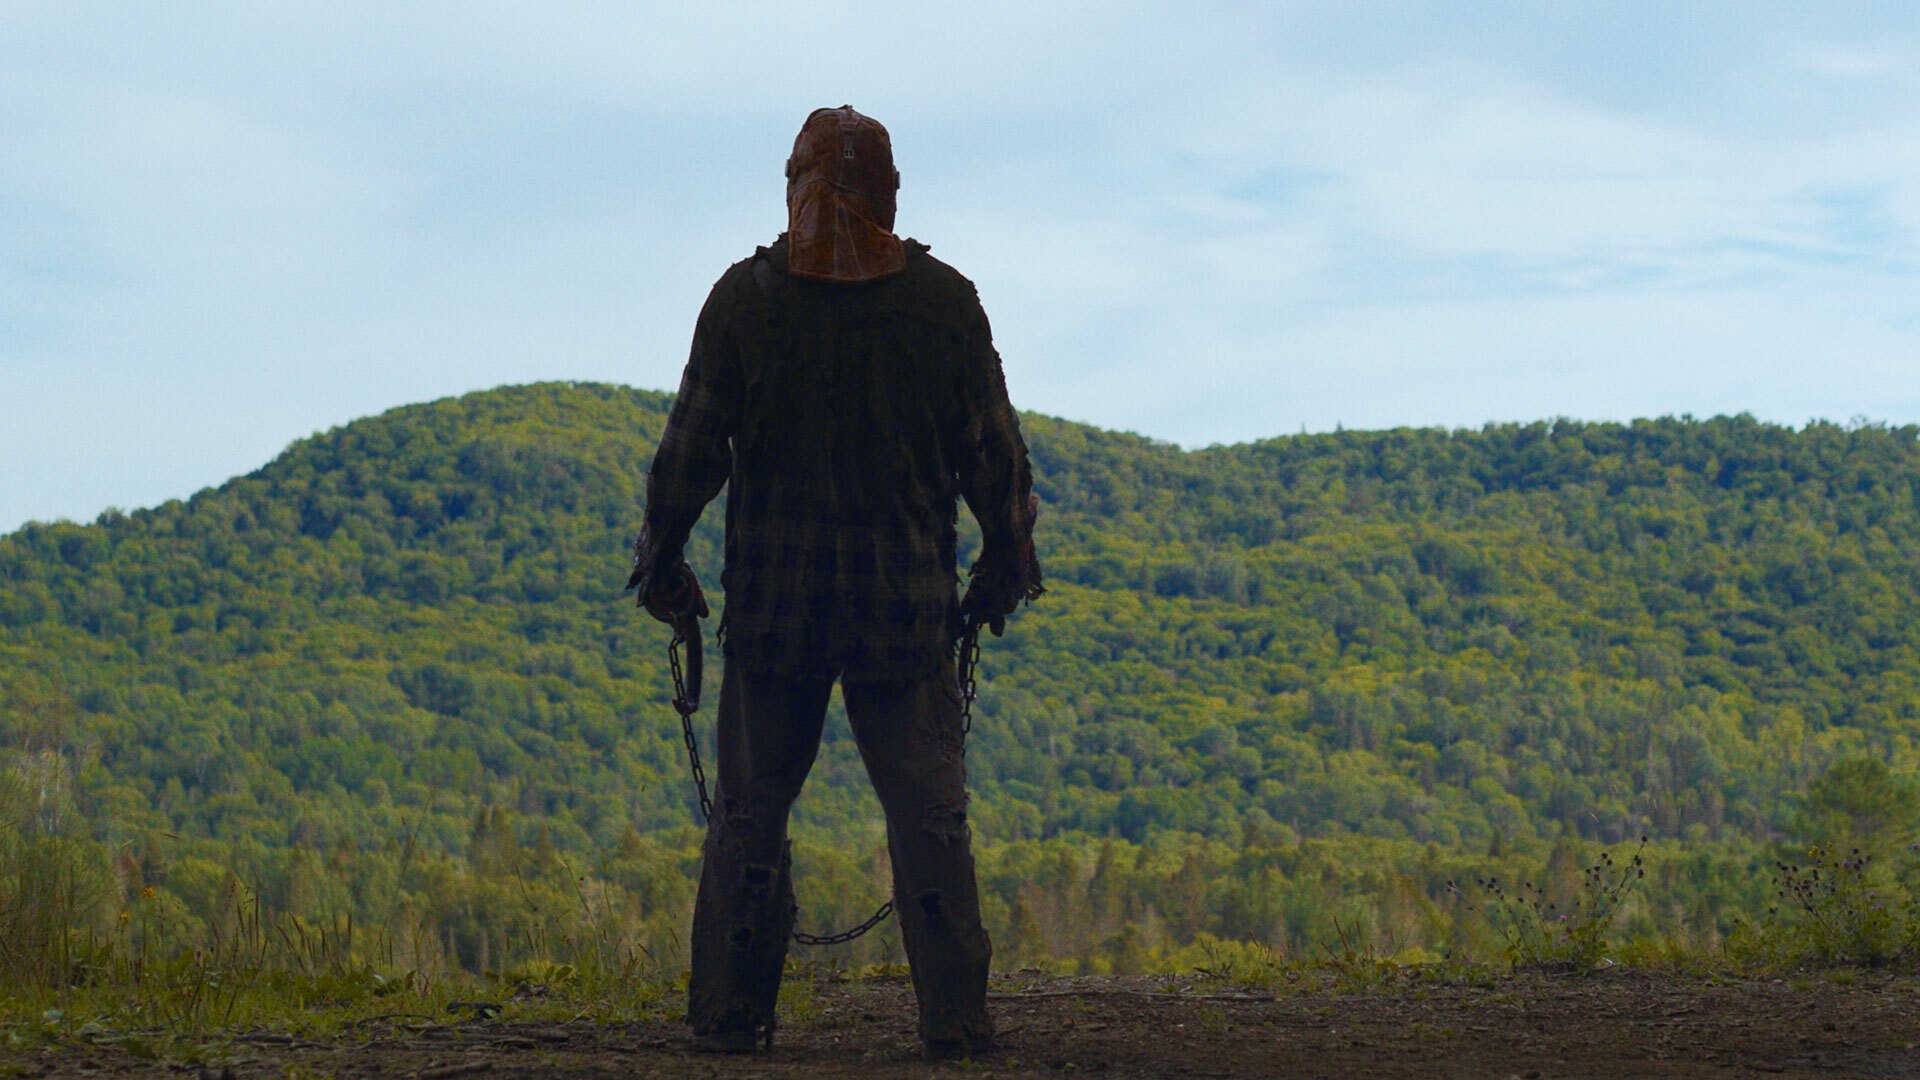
x=1835, y=909
x=53, y=891
x=1540, y=932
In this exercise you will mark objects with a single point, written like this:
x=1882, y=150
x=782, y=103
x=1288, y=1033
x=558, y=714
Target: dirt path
x=1617, y=1027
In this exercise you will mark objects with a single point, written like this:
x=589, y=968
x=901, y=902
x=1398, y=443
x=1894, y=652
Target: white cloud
x=226, y=226
x=1854, y=63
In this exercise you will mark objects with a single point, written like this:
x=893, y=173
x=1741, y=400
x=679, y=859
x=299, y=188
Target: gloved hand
x=670, y=596
x=988, y=602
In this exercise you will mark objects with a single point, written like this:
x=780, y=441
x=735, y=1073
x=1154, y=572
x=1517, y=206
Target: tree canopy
x=412, y=627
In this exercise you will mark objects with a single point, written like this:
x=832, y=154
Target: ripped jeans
x=908, y=732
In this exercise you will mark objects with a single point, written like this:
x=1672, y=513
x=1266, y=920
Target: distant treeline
x=1287, y=681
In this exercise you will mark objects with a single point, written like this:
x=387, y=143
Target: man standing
x=844, y=384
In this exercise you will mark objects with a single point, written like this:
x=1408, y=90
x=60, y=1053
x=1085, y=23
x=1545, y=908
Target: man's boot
x=947, y=947
x=742, y=922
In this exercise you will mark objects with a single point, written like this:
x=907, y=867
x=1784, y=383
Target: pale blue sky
x=226, y=226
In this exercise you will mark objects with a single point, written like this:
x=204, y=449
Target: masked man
x=844, y=385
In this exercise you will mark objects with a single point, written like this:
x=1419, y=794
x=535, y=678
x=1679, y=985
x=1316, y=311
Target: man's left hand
x=671, y=596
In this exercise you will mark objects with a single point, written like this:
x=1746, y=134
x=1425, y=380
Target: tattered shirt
x=845, y=420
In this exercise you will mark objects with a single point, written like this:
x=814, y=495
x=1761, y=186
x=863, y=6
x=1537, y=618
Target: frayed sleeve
x=996, y=479
x=695, y=455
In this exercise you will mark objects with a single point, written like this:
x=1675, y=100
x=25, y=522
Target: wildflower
x=146, y=893
x=125, y=916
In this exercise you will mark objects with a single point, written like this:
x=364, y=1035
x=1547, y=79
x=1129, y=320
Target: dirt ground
x=1614, y=1026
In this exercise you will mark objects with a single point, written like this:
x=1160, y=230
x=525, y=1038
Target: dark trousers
x=909, y=736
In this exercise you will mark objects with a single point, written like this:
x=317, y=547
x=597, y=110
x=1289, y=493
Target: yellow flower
x=125, y=917
x=146, y=893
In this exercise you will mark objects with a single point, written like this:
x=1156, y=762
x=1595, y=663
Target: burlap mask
x=840, y=199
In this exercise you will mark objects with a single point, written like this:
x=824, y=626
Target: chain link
x=967, y=660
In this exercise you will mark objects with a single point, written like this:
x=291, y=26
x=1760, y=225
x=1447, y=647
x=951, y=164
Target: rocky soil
x=1616, y=1026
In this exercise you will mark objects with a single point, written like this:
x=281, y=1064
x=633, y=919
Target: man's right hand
x=673, y=595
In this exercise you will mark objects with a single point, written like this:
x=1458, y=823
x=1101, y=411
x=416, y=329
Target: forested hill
x=1443, y=636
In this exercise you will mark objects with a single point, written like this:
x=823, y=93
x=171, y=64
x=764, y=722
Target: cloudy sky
x=226, y=226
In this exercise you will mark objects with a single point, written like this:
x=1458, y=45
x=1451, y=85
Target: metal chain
x=686, y=709
x=845, y=936
x=967, y=661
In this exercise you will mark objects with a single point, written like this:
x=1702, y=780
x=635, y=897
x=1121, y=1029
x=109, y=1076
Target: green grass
x=87, y=960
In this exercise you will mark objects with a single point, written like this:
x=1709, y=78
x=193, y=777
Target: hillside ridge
x=411, y=626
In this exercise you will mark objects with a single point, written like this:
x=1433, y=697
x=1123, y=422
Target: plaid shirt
x=844, y=420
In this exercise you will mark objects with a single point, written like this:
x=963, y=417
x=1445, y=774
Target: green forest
x=1278, y=694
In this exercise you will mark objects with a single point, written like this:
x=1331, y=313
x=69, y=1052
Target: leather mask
x=840, y=199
